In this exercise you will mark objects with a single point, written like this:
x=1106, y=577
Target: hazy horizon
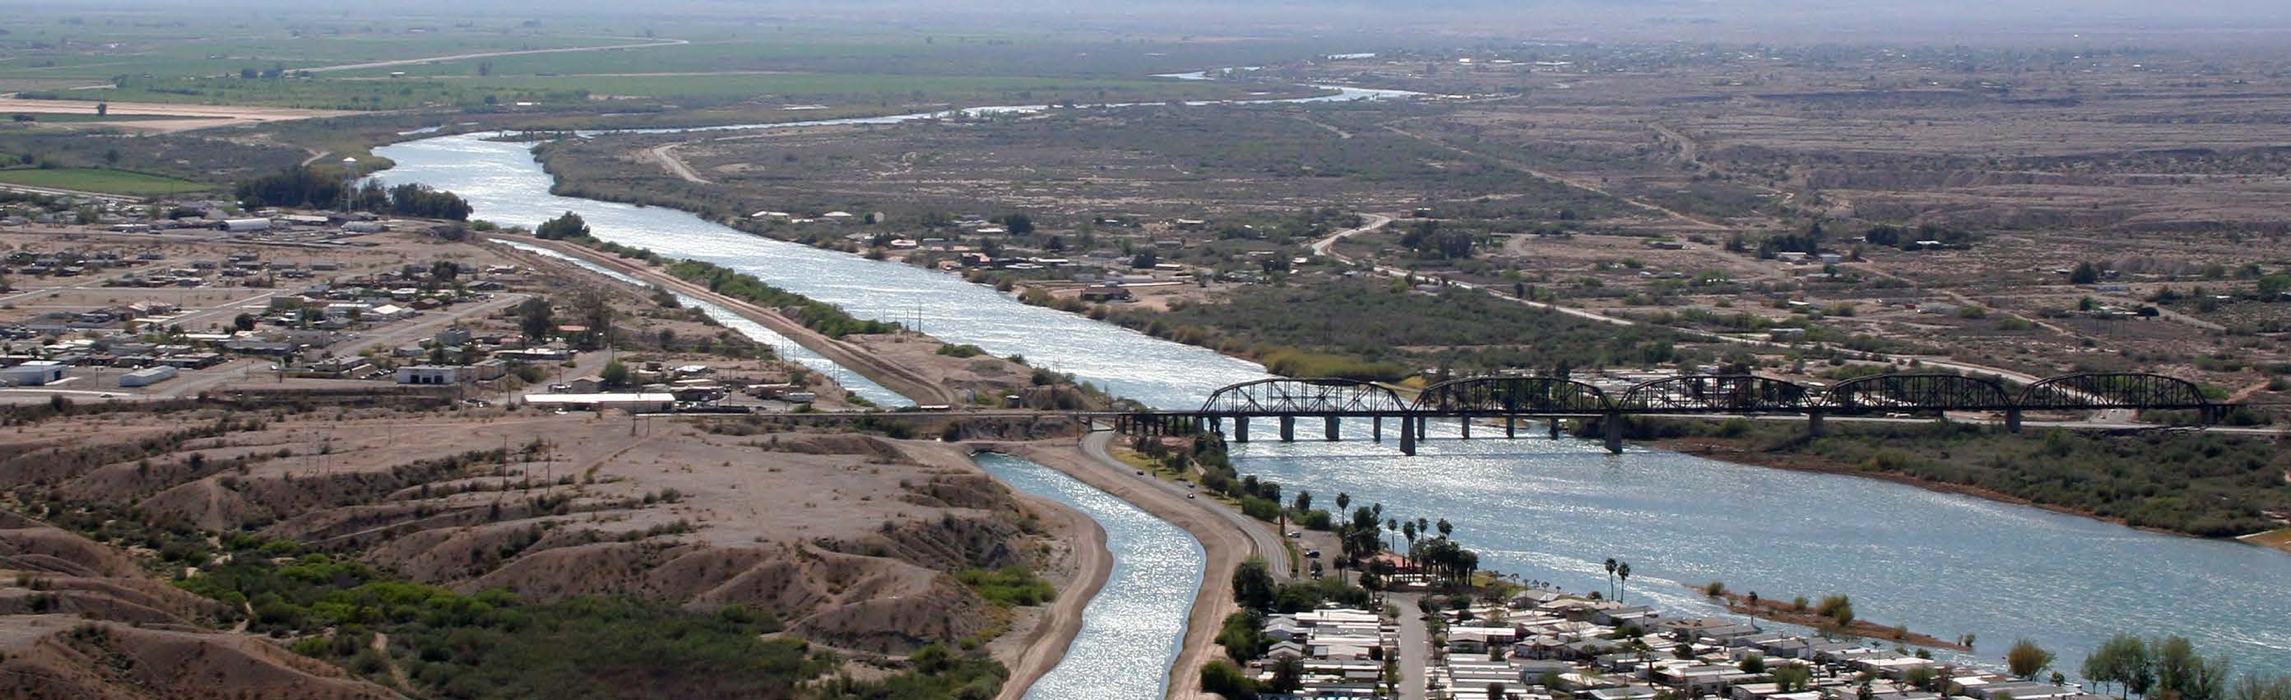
x=2046, y=22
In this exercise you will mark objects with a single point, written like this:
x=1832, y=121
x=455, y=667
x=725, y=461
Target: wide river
x=1549, y=510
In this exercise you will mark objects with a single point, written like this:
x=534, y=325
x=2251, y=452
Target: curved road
x=1263, y=541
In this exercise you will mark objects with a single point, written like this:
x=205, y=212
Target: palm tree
x=1610, y=577
x=1446, y=529
x=1343, y=502
x=1408, y=529
x=1623, y=570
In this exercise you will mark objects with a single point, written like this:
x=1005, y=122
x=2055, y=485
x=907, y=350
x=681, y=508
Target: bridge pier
x=1814, y=423
x=1554, y=428
x=1288, y=428
x=2012, y=420
x=1240, y=428
x=1612, y=427
x=1217, y=425
x=1376, y=429
x=1329, y=428
x=1467, y=427
x=1510, y=427
x=1408, y=435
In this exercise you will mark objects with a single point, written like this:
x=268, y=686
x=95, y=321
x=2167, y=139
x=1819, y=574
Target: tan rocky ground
x=853, y=540
x=82, y=620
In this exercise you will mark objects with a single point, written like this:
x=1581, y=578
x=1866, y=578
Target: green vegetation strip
x=828, y=319
x=99, y=180
x=2209, y=485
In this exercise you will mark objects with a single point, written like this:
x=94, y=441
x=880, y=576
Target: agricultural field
x=103, y=181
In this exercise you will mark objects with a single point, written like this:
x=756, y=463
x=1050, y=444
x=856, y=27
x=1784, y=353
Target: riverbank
x=1794, y=613
x=1224, y=547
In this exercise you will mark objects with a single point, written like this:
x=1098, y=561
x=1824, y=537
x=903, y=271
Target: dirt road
x=666, y=154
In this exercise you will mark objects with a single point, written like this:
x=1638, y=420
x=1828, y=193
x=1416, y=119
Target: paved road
x=1263, y=541
x=1415, y=646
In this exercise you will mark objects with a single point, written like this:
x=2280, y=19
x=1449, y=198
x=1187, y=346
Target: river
x=1942, y=564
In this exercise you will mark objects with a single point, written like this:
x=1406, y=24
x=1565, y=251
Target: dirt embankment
x=81, y=620
x=982, y=376
x=853, y=540
x=1790, y=613
x=894, y=376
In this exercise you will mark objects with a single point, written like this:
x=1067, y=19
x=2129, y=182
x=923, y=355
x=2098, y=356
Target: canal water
x=1942, y=564
x=1127, y=643
x=786, y=347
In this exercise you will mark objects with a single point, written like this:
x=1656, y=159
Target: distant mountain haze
x=1781, y=21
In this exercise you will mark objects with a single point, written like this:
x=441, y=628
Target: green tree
x=1226, y=680
x=1623, y=572
x=244, y=322
x=1793, y=677
x=2026, y=659
x=615, y=374
x=535, y=318
x=1611, y=563
x=1753, y=664
x=566, y=225
x=1288, y=675
x=1253, y=584
x=2084, y=273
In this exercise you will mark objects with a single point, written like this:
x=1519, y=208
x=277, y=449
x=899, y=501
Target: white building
x=34, y=373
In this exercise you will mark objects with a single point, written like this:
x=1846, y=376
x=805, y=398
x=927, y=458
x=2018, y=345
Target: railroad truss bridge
x=1512, y=398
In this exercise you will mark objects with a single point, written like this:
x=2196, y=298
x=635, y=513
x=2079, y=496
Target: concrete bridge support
x=2012, y=420
x=1240, y=428
x=1329, y=427
x=1814, y=423
x=1554, y=428
x=1408, y=428
x=1467, y=427
x=1510, y=427
x=1288, y=428
x=1376, y=429
x=1611, y=426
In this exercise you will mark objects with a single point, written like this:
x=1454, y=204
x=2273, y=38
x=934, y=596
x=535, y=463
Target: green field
x=104, y=181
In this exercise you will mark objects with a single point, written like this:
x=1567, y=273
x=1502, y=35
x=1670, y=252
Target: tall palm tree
x=1610, y=577
x=1623, y=570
